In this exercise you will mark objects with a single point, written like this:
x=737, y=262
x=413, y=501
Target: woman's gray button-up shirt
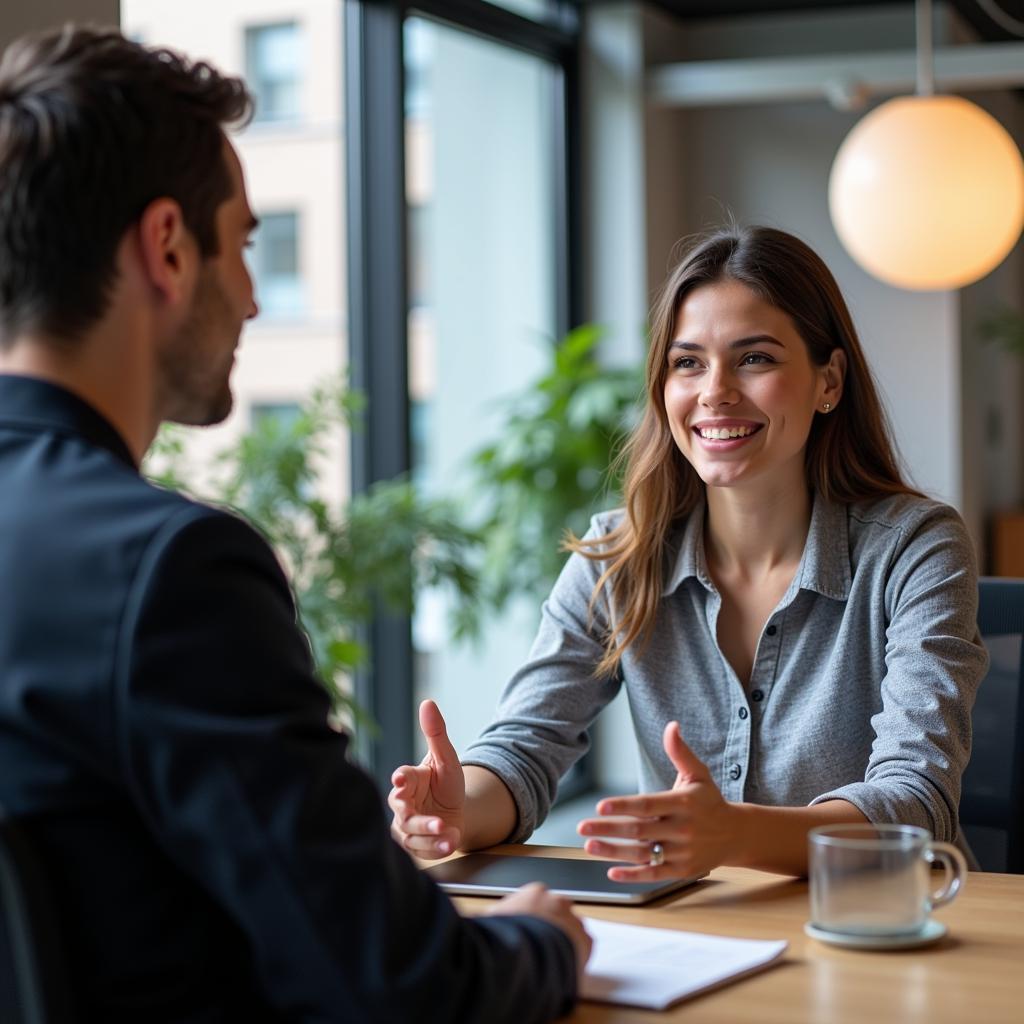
x=861, y=690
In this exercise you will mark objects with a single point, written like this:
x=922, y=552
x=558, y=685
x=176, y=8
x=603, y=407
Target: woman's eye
x=684, y=363
x=752, y=358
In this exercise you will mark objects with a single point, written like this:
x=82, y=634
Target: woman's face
x=740, y=389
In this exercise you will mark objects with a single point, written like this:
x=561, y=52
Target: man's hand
x=428, y=799
x=535, y=900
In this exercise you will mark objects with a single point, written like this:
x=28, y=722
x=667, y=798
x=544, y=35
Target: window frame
x=378, y=287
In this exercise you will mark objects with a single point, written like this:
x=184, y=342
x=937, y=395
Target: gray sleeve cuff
x=528, y=814
x=896, y=805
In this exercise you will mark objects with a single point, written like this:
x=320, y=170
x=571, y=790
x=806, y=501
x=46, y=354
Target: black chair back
x=992, y=800
x=33, y=980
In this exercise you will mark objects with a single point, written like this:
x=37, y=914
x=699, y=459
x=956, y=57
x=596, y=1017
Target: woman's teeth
x=724, y=433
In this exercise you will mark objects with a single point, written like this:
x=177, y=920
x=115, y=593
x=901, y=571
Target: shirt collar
x=824, y=566
x=689, y=560
x=38, y=405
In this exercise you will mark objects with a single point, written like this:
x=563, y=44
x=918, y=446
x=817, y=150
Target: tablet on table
x=583, y=881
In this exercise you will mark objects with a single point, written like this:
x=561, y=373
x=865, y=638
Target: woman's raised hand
x=428, y=799
x=697, y=828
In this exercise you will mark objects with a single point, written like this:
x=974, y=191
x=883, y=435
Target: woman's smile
x=726, y=435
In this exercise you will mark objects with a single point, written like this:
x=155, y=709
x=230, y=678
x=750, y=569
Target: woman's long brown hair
x=849, y=455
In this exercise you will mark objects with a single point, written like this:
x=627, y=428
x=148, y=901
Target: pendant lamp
x=927, y=192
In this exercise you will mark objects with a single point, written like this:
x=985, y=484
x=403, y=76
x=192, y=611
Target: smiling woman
x=794, y=625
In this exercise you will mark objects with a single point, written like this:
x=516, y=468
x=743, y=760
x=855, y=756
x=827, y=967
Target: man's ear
x=167, y=249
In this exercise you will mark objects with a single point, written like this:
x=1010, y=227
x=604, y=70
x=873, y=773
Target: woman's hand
x=697, y=828
x=428, y=799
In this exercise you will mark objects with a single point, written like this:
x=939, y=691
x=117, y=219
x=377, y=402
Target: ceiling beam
x=847, y=80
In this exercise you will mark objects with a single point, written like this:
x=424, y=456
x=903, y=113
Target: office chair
x=33, y=983
x=992, y=798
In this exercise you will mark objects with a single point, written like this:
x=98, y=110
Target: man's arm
x=226, y=747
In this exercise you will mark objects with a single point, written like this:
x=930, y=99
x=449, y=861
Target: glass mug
x=876, y=879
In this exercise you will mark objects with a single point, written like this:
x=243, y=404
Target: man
x=212, y=854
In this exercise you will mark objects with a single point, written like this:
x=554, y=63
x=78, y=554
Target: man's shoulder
x=155, y=516
x=184, y=535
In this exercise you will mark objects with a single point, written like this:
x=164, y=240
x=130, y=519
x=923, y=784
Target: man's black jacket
x=212, y=853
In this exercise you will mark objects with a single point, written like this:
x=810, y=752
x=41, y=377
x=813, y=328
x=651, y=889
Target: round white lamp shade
x=927, y=192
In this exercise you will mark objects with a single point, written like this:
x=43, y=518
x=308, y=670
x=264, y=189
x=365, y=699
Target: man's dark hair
x=93, y=128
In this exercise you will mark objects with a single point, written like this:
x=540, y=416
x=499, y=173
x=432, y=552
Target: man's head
x=100, y=136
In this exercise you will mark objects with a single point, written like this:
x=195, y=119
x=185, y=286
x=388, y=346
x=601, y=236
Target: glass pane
x=482, y=304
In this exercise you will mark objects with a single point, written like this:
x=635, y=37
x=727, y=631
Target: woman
x=793, y=624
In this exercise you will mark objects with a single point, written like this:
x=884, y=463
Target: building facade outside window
x=291, y=54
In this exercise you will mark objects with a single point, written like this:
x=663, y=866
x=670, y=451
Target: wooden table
x=974, y=975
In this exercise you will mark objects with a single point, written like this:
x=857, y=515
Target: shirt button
x=735, y=771
x=771, y=630
x=757, y=696
x=744, y=712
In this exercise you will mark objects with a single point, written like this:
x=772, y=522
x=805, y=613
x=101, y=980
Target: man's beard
x=195, y=365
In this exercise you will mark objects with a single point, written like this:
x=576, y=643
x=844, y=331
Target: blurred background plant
x=377, y=547
x=552, y=465
x=547, y=473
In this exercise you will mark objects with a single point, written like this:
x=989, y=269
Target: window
x=462, y=261
x=273, y=63
x=284, y=413
x=275, y=265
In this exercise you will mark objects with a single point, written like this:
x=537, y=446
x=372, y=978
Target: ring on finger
x=657, y=855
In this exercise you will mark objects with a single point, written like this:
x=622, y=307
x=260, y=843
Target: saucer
x=930, y=932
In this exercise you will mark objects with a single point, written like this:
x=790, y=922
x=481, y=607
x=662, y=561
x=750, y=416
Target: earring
x=826, y=407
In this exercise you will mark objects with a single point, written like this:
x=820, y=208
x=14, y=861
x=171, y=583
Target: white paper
x=655, y=967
